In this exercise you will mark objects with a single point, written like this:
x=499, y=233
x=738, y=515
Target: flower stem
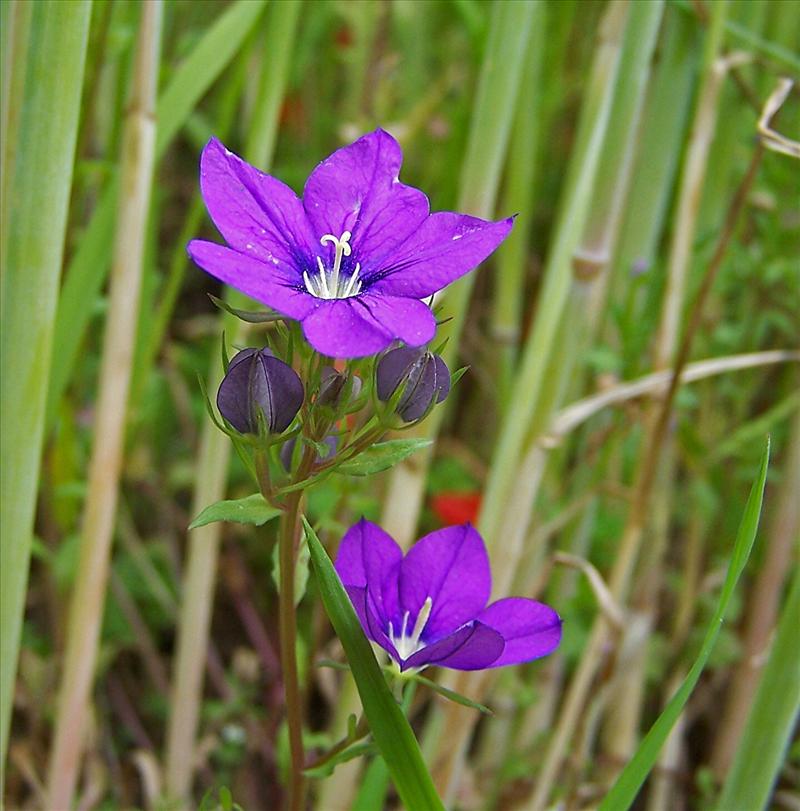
x=287, y=621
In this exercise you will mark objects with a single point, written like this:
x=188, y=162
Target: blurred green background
x=658, y=229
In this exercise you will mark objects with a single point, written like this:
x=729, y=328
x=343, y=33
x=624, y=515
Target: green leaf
x=389, y=727
x=351, y=752
x=772, y=717
x=382, y=456
x=624, y=791
x=452, y=695
x=248, y=510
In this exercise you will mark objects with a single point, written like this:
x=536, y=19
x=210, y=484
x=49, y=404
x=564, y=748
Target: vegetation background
x=657, y=242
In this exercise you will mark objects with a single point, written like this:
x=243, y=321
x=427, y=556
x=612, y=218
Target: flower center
x=330, y=284
x=404, y=644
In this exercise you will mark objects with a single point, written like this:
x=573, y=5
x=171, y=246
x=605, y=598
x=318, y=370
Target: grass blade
x=772, y=717
x=389, y=726
x=624, y=791
x=38, y=184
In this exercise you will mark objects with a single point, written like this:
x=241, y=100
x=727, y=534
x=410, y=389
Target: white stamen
x=408, y=645
x=330, y=284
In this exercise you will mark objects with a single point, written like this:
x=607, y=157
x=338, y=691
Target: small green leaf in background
x=390, y=728
x=350, y=753
x=382, y=456
x=624, y=791
x=248, y=510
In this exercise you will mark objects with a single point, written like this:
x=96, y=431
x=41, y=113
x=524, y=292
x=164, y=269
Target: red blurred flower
x=456, y=507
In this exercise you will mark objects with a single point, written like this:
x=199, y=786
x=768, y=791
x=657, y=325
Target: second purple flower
x=429, y=607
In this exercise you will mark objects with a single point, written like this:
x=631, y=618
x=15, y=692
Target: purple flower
x=429, y=607
x=352, y=259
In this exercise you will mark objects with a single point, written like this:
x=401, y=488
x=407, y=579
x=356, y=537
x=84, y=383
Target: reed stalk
x=492, y=116
x=512, y=481
x=88, y=595
x=43, y=56
x=520, y=188
x=214, y=454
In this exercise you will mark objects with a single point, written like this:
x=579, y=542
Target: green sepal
x=250, y=316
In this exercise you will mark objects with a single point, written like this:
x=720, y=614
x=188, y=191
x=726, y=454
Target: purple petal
x=530, y=629
x=471, y=647
x=369, y=557
x=356, y=189
x=452, y=568
x=445, y=247
x=364, y=325
x=271, y=284
x=256, y=213
x=362, y=603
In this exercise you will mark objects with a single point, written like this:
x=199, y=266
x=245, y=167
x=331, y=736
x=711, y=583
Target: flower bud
x=332, y=441
x=424, y=375
x=332, y=386
x=256, y=381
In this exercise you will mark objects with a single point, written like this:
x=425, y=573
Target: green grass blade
x=389, y=726
x=89, y=267
x=39, y=186
x=772, y=717
x=624, y=791
x=202, y=67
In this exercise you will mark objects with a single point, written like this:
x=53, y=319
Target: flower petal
x=363, y=325
x=271, y=284
x=369, y=557
x=445, y=247
x=362, y=602
x=530, y=629
x=471, y=647
x=256, y=213
x=452, y=568
x=356, y=189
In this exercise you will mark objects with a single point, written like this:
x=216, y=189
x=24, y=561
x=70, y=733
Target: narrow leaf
x=326, y=769
x=624, y=791
x=390, y=729
x=248, y=510
x=452, y=695
x=772, y=717
x=382, y=456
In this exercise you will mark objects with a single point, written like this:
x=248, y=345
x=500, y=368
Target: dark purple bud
x=425, y=376
x=332, y=386
x=256, y=381
x=332, y=441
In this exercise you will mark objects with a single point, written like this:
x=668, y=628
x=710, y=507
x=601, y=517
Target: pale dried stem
x=762, y=612
x=88, y=597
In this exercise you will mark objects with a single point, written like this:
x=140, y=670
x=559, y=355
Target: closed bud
x=424, y=376
x=332, y=387
x=257, y=383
